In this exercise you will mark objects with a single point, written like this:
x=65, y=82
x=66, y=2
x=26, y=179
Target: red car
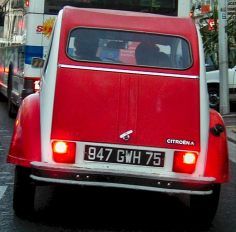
x=123, y=104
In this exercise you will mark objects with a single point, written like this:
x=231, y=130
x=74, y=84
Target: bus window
x=166, y=7
x=17, y=4
x=1, y=19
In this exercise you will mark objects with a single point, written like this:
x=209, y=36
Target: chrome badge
x=126, y=136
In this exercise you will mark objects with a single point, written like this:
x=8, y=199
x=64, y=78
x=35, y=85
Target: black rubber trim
x=102, y=177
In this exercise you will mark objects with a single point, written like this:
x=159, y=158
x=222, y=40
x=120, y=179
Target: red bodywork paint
x=217, y=158
x=26, y=143
x=103, y=105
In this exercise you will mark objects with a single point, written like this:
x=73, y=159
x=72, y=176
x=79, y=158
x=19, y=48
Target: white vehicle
x=26, y=32
x=213, y=81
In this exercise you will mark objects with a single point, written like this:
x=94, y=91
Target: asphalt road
x=62, y=209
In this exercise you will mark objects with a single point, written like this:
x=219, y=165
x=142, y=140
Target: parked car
x=122, y=105
x=213, y=81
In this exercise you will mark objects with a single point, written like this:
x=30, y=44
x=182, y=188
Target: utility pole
x=223, y=57
x=185, y=7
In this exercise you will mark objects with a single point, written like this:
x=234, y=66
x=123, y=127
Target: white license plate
x=124, y=156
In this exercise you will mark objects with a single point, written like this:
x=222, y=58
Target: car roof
x=126, y=20
x=73, y=17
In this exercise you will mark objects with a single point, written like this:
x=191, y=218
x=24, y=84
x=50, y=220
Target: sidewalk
x=231, y=134
x=230, y=122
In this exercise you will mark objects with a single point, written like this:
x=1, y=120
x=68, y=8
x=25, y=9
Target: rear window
x=129, y=48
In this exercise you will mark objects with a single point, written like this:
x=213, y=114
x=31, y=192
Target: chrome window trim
x=127, y=71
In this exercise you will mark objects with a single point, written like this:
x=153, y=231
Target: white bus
x=25, y=29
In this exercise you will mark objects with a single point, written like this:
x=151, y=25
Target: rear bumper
x=80, y=176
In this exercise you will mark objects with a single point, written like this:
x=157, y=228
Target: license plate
x=124, y=156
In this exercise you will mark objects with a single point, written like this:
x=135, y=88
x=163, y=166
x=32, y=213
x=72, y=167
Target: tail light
x=36, y=86
x=63, y=151
x=185, y=162
x=27, y=3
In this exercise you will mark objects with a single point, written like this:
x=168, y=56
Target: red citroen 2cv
x=123, y=104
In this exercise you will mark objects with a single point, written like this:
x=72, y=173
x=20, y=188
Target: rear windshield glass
x=129, y=48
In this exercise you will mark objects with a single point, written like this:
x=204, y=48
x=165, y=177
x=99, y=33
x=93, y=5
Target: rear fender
x=26, y=144
x=217, y=158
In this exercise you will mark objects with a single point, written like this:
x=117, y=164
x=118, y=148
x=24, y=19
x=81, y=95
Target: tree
x=210, y=37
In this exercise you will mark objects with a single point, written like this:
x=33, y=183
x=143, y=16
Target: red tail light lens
x=63, y=152
x=185, y=162
x=27, y=3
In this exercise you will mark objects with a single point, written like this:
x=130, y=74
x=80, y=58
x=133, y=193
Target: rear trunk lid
x=100, y=105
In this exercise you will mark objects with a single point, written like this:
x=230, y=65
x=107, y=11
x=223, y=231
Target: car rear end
x=116, y=123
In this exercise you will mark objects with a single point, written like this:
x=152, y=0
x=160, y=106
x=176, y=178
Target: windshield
x=167, y=7
x=129, y=48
